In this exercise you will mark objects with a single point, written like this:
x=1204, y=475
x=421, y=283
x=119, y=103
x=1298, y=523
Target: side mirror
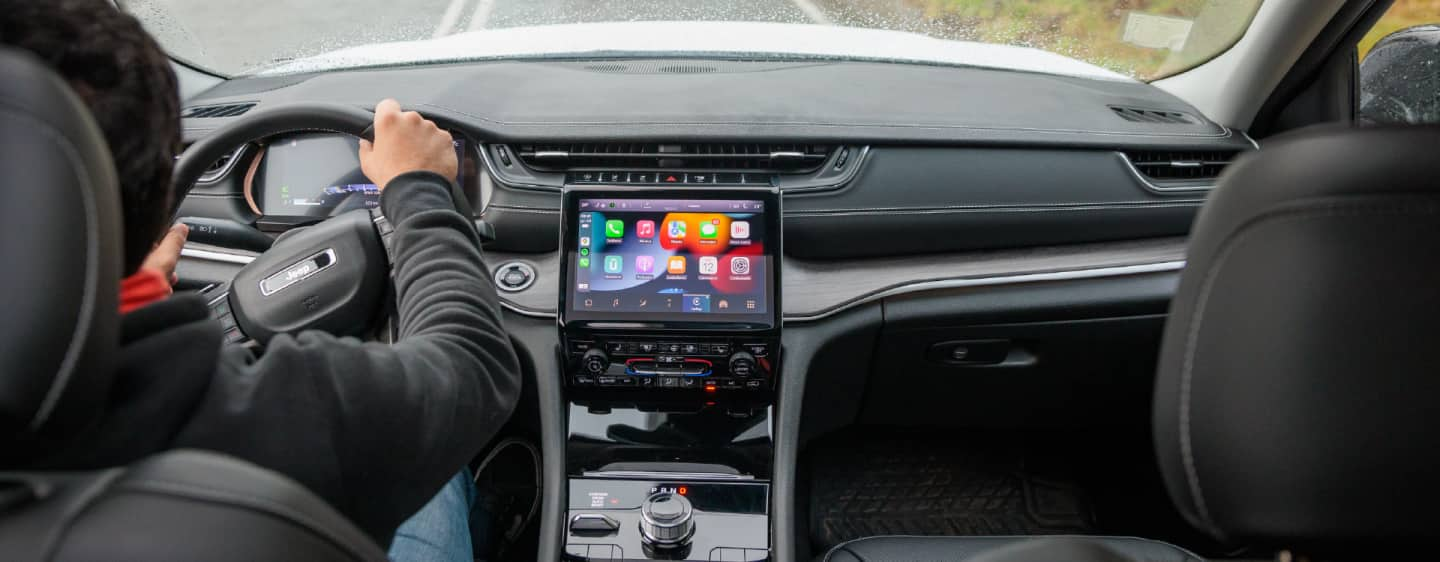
x=1400, y=78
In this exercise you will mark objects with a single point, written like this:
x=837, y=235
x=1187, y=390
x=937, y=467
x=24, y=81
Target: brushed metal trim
x=908, y=288
x=647, y=474
x=1067, y=275
x=210, y=255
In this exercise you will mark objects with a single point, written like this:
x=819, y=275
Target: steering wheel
x=334, y=275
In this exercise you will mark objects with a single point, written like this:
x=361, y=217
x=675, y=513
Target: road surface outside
x=238, y=36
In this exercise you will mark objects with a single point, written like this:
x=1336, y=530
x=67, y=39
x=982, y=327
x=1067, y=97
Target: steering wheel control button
x=666, y=520
x=514, y=276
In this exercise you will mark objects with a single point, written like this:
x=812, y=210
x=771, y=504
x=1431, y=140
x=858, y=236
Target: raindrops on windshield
x=245, y=36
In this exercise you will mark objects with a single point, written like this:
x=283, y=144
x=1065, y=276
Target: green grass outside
x=1092, y=30
x=1403, y=14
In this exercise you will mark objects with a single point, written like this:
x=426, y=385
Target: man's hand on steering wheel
x=405, y=142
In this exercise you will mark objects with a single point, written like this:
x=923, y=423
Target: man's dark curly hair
x=125, y=78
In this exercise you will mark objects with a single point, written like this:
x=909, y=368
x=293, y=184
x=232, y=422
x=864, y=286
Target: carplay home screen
x=676, y=258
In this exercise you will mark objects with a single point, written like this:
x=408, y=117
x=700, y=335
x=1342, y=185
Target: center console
x=670, y=322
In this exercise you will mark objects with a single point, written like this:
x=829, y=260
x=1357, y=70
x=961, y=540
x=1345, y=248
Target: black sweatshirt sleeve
x=376, y=429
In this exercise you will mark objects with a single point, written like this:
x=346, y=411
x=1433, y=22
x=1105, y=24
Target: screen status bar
x=673, y=205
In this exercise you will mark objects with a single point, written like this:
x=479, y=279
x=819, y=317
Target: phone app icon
x=676, y=265
x=739, y=266
x=614, y=228
x=645, y=229
x=584, y=262
x=740, y=230
x=709, y=230
x=677, y=229
x=709, y=265
x=697, y=303
x=645, y=264
x=614, y=264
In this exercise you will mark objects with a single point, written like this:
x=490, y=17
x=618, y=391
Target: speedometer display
x=315, y=175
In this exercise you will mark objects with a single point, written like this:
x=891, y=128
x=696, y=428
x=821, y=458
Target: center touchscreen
x=673, y=260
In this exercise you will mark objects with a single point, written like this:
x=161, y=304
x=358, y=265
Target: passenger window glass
x=1400, y=66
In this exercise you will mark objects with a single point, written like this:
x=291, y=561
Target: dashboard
x=977, y=248
x=884, y=191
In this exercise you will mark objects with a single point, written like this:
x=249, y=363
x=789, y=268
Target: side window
x=1400, y=65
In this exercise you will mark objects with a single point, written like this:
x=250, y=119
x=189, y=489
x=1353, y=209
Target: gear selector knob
x=667, y=520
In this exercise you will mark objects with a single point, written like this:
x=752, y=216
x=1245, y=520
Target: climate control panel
x=698, y=364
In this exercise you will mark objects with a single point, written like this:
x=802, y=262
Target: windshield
x=1141, y=39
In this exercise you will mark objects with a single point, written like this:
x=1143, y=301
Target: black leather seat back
x=1295, y=403
x=178, y=506
x=61, y=251
x=60, y=211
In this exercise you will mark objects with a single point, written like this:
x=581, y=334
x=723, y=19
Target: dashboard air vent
x=221, y=167
x=1183, y=168
x=1138, y=115
x=716, y=157
x=216, y=111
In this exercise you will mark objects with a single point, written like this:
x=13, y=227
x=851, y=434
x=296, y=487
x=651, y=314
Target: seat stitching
x=1300, y=212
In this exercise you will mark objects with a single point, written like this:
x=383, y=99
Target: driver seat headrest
x=60, y=208
x=1295, y=401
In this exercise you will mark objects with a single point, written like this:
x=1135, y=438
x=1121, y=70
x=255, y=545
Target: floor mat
x=883, y=482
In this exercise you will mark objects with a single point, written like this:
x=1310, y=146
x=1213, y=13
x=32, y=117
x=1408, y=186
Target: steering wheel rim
x=351, y=289
x=289, y=118
x=345, y=292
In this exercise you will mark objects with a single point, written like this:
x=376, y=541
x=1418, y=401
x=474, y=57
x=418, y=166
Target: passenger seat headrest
x=1296, y=398
x=61, y=252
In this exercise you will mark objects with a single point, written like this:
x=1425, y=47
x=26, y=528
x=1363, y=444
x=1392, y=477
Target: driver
x=376, y=430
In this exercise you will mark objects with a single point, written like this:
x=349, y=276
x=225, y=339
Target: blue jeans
x=440, y=531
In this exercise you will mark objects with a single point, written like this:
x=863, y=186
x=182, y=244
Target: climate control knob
x=743, y=365
x=595, y=362
x=667, y=520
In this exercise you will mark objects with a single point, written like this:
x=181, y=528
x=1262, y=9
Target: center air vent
x=707, y=157
x=1180, y=169
x=216, y=111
